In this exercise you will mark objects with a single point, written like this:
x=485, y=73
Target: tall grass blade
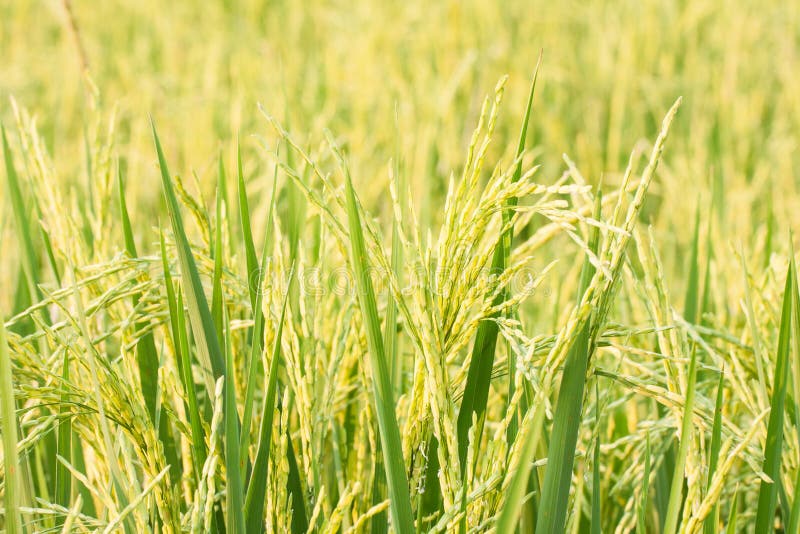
x=51, y=258
x=676, y=490
x=711, y=523
x=479, y=375
x=257, y=488
x=508, y=236
x=146, y=353
x=207, y=342
x=567, y=417
x=22, y=301
x=730, y=528
x=768, y=491
x=23, y=224
x=793, y=523
x=691, y=303
x=127, y=230
x=8, y=420
x=399, y=497
x=181, y=343
x=390, y=338
x=295, y=487
x=391, y=343
x=294, y=484
x=234, y=488
x=203, y=328
x=217, y=311
x=530, y=433
x=257, y=345
x=251, y=260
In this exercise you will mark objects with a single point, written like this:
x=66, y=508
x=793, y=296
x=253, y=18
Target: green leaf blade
x=8, y=423
x=676, y=489
x=203, y=326
x=476, y=388
x=257, y=488
x=399, y=496
x=567, y=418
x=768, y=491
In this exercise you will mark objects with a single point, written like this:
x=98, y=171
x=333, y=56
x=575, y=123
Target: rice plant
x=398, y=267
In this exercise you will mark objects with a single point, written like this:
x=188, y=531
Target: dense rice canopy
x=399, y=266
